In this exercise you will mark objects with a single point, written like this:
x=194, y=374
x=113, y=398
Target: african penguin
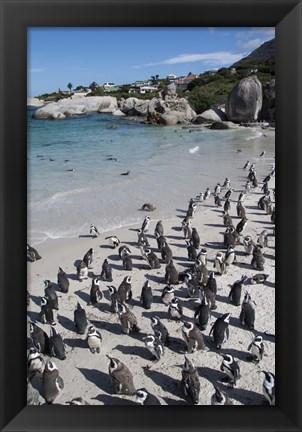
x=155, y=346
x=231, y=368
x=247, y=314
x=52, y=383
x=56, y=344
x=35, y=362
x=235, y=293
x=159, y=229
x=121, y=377
x=143, y=397
x=146, y=298
x=152, y=259
x=51, y=294
x=256, y=347
x=94, y=231
x=159, y=327
x=39, y=337
x=258, y=258
x=32, y=254
x=167, y=294
x=80, y=319
x=94, y=339
x=106, y=273
x=190, y=384
x=220, y=330
x=175, y=309
x=145, y=224
x=220, y=398
x=171, y=274
x=63, y=281
x=128, y=319
x=193, y=337
x=88, y=258
x=124, y=289
x=46, y=313
x=268, y=387
x=82, y=271
x=113, y=241
x=219, y=264
x=96, y=294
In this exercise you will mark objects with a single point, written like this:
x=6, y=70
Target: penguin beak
x=107, y=355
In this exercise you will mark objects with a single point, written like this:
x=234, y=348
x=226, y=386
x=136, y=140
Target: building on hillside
x=110, y=87
x=183, y=82
x=143, y=87
x=172, y=77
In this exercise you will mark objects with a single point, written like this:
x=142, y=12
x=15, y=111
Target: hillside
x=266, y=52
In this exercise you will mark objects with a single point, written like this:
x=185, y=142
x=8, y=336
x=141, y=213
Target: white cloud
x=252, y=44
x=251, y=39
x=218, y=58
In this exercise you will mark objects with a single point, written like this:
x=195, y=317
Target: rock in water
x=245, y=100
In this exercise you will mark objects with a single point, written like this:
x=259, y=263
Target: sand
x=86, y=374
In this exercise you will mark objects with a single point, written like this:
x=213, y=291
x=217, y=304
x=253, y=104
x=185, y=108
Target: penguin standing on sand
x=171, y=274
x=146, y=223
x=227, y=220
x=146, y=295
x=227, y=183
x=106, y=273
x=240, y=210
x=231, y=368
x=167, y=294
x=39, y=337
x=207, y=194
x=82, y=271
x=121, y=377
x=212, y=283
x=220, y=398
x=247, y=314
x=35, y=362
x=52, y=383
x=152, y=259
x=88, y=258
x=263, y=239
x=96, y=294
x=241, y=225
x=235, y=293
x=192, y=252
x=268, y=387
x=202, y=256
x=128, y=319
x=46, y=313
x=80, y=319
x=230, y=256
x=192, y=285
x=51, y=295
x=155, y=346
x=219, y=263
x=143, y=397
x=94, y=231
x=187, y=230
x=166, y=252
x=258, y=258
x=127, y=262
x=259, y=278
x=195, y=239
x=124, y=289
x=217, y=189
x=115, y=298
x=256, y=347
x=141, y=238
x=217, y=201
x=63, y=281
x=175, y=309
x=159, y=327
x=227, y=205
x=193, y=337
x=190, y=384
x=202, y=314
x=56, y=344
x=159, y=229
x=113, y=241
x=94, y=339
x=161, y=240
x=220, y=330
x=248, y=245
x=123, y=251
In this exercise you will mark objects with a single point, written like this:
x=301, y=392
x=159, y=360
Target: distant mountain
x=264, y=53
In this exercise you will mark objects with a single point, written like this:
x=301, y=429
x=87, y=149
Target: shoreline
x=86, y=374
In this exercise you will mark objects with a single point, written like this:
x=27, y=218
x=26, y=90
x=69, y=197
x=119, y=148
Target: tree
x=69, y=85
x=93, y=86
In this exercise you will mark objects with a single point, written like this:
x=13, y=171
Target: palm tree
x=69, y=85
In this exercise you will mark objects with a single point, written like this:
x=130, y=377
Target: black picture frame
x=16, y=16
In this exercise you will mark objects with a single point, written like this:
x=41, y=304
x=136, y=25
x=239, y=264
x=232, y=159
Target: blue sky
x=57, y=56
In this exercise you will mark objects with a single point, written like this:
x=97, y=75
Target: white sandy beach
x=86, y=374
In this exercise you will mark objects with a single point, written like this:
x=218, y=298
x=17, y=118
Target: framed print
x=85, y=195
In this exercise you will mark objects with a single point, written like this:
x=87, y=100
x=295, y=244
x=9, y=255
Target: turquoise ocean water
x=167, y=165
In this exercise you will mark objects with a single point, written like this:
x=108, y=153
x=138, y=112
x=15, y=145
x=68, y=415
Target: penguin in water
x=168, y=294
x=94, y=231
x=160, y=329
x=96, y=294
x=152, y=259
x=35, y=362
x=51, y=295
x=231, y=368
x=230, y=256
x=124, y=289
x=247, y=314
x=193, y=337
x=259, y=278
x=220, y=398
x=258, y=258
x=106, y=273
x=113, y=241
x=248, y=245
x=39, y=337
x=146, y=298
x=88, y=258
x=159, y=229
x=52, y=383
x=46, y=313
x=236, y=289
x=121, y=377
x=220, y=330
x=143, y=397
x=155, y=346
x=32, y=254
x=256, y=347
x=63, y=281
x=128, y=319
x=145, y=224
x=56, y=344
x=94, y=339
x=175, y=309
x=202, y=314
x=171, y=274
x=82, y=271
x=190, y=384
x=268, y=387
x=80, y=319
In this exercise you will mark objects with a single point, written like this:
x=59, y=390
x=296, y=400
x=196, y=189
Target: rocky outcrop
x=34, y=102
x=134, y=107
x=211, y=115
x=168, y=93
x=267, y=112
x=68, y=107
x=174, y=111
x=245, y=100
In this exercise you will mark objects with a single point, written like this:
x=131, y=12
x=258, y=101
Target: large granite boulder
x=134, y=107
x=158, y=109
x=267, y=112
x=211, y=115
x=223, y=125
x=71, y=107
x=35, y=102
x=245, y=100
x=169, y=92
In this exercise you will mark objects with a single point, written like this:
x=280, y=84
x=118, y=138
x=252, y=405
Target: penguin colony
x=175, y=320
